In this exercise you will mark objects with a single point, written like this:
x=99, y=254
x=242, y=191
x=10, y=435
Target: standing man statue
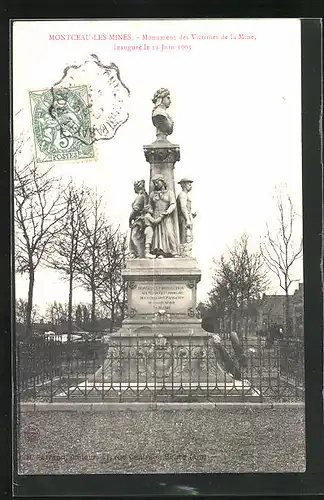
x=162, y=202
x=160, y=117
x=185, y=217
x=136, y=221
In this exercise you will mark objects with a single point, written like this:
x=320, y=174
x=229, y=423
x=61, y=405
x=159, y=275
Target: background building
x=272, y=311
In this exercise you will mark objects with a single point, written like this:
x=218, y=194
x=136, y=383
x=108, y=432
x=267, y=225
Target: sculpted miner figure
x=136, y=220
x=163, y=203
x=185, y=217
x=161, y=119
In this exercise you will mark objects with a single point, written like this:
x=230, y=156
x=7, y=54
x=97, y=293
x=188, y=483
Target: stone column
x=162, y=156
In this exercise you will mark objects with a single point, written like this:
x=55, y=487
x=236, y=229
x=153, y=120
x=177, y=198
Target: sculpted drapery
x=163, y=203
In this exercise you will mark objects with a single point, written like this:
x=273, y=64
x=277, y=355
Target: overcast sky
x=236, y=105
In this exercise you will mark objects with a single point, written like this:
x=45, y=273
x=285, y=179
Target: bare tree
x=89, y=263
x=239, y=280
x=39, y=210
x=112, y=290
x=21, y=308
x=252, y=277
x=69, y=245
x=79, y=316
x=280, y=250
x=57, y=313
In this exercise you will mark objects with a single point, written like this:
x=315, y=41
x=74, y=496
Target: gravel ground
x=161, y=441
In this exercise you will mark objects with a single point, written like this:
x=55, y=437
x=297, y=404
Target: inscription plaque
x=150, y=297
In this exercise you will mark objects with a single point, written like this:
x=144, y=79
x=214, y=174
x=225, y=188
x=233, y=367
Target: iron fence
x=278, y=368
x=159, y=369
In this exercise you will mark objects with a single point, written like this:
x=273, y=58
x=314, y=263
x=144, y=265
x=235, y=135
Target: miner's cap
x=184, y=180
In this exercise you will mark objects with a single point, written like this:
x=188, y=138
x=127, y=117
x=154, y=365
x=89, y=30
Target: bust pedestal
x=162, y=156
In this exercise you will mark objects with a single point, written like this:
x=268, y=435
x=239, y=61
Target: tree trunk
x=112, y=318
x=93, y=307
x=234, y=322
x=242, y=318
x=247, y=317
x=287, y=315
x=231, y=322
x=70, y=306
x=29, y=306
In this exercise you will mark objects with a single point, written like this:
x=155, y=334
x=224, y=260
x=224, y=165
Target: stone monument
x=161, y=347
x=162, y=286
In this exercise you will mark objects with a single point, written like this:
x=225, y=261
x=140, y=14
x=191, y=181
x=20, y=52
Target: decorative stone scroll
x=162, y=155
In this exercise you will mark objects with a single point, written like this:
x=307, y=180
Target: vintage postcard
x=158, y=246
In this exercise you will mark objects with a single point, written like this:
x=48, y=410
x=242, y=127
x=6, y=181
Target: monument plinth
x=162, y=296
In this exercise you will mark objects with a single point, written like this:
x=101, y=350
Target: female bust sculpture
x=160, y=118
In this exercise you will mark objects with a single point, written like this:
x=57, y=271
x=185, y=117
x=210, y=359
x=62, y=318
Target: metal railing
x=159, y=369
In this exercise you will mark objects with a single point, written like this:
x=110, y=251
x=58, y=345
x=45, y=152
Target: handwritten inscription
x=170, y=297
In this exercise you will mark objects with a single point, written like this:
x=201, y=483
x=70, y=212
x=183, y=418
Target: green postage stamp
x=61, y=124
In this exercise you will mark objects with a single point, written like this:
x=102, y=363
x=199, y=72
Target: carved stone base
x=166, y=355
x=165, y=367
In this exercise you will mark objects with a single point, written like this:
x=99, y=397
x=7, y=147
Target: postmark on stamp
x=61, y=124
x=86, y=105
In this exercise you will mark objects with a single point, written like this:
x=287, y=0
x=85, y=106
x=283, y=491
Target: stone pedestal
x=162, y=296
x=161, y=353
x=162, y=156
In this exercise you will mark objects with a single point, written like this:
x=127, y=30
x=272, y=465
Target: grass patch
x=160, y=441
